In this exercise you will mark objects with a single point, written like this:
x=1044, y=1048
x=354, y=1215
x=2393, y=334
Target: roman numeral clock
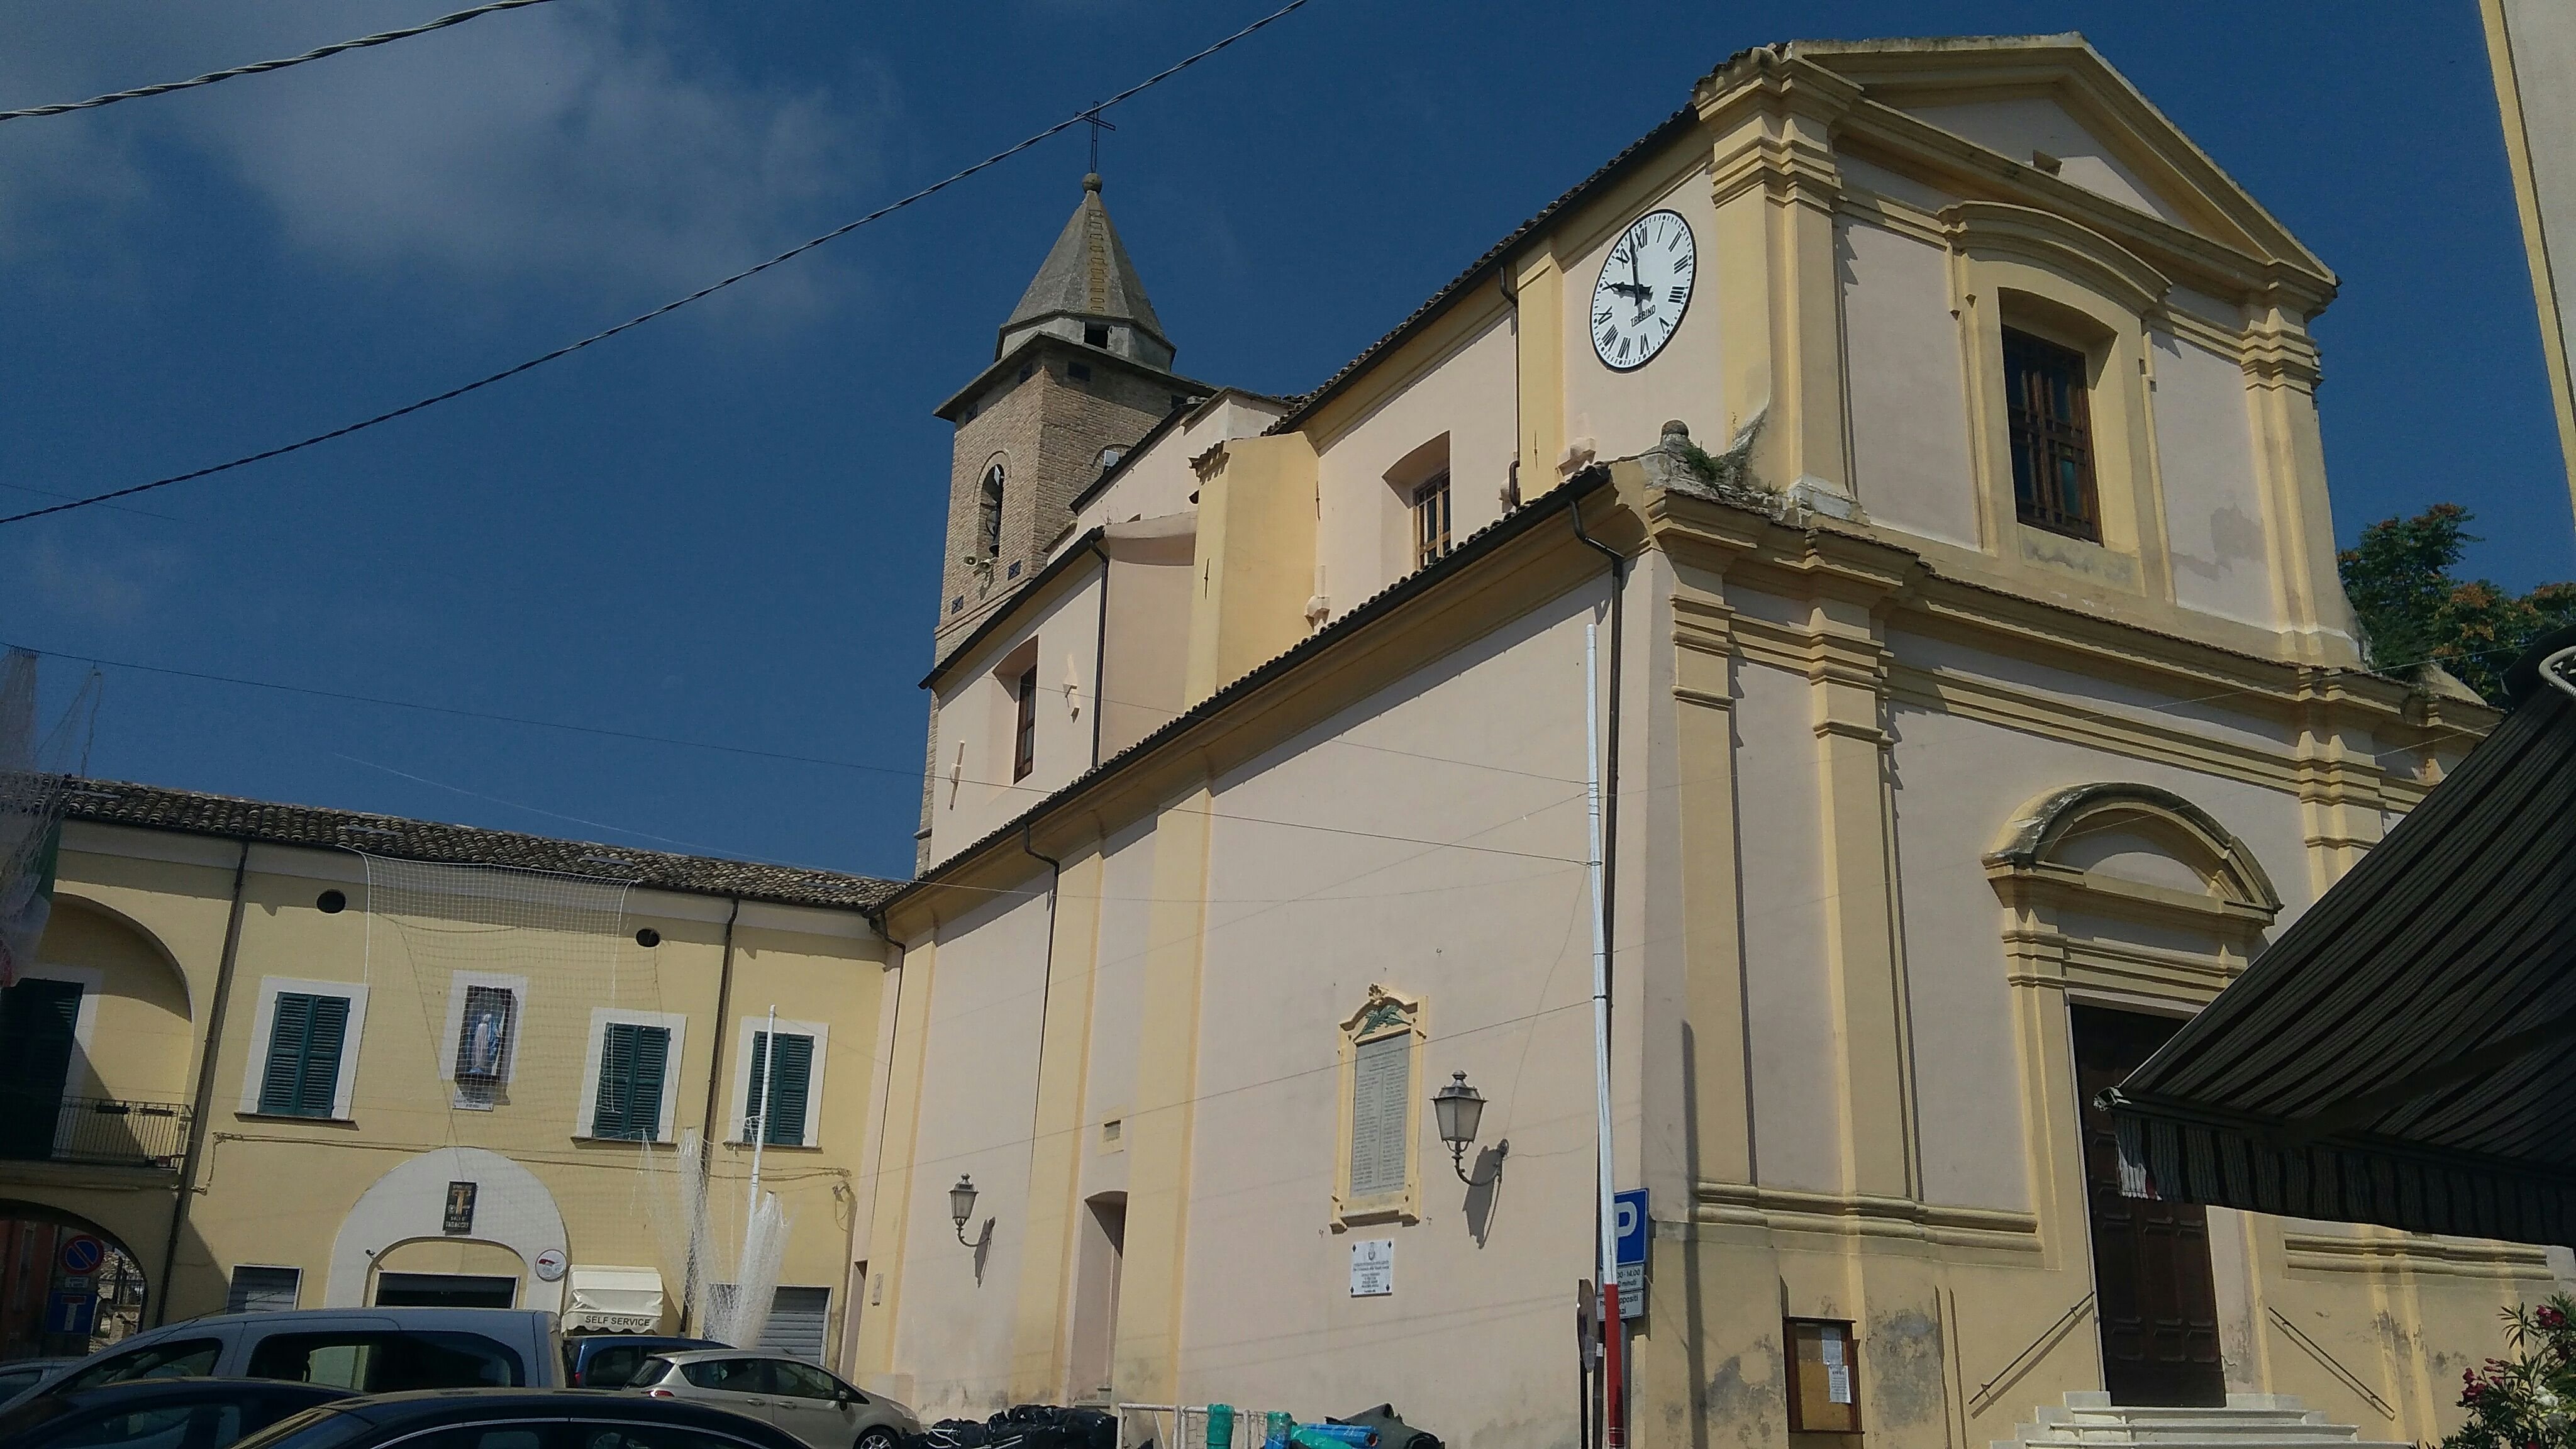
x=1644, y=289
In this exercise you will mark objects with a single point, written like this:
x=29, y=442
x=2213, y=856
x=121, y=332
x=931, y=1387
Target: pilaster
x=1038, y=1332
x=1775, y=188
x=2281, y=374
x=1159, y=1125
x=1538, y=317
x=1847, y=669
x=881, y=1314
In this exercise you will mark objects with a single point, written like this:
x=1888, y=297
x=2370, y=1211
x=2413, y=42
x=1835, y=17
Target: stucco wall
x=2214, y=514
x=1364, y=537
x=1909, y=399
x=972, y=791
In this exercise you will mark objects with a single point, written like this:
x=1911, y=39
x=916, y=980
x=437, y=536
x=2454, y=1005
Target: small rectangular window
x=633, y=1060
x=1431, y=521
x=1095, y=334
x=1381, y=1113
x=788, y=1096
x=1024, y=747
x=263, y=1290
x=2048, y=407
x=302, y=1075
x=1824, y=1377
x=1078, y=371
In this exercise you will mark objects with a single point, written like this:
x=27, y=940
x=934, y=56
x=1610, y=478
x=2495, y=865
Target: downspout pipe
x=715, y=1075
x=1099, y=694
x=1610, y=753
x=1614, y=1416
x=1046, y=984
x=204, y=1101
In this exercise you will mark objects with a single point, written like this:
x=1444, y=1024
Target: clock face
x=1644, y=289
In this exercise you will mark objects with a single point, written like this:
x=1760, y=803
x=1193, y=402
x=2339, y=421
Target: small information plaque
x=1373, y=1268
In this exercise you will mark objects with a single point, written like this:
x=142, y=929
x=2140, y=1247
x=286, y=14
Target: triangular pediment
x=2053, y=104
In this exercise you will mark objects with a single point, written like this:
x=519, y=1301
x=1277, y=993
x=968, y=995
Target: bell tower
x=1081, y=369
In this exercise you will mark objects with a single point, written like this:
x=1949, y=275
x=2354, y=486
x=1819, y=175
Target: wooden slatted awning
x=2405, y=1053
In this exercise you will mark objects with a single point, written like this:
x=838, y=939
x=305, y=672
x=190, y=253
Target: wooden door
x=2158, y=1307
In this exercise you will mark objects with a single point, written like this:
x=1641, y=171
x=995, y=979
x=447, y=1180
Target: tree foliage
x=2413, y=612
x=2522, y=1402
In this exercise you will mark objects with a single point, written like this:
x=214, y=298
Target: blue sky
x=725, y=526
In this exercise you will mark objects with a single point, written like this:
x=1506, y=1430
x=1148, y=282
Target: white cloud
x=575, y=145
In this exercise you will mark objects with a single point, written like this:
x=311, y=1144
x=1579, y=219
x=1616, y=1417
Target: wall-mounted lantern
x=961, y=1205
x=1460, y=1109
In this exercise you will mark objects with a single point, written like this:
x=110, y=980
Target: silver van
x=369, y=1350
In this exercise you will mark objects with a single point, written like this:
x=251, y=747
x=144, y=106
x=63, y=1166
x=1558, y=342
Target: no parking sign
x=82, y=1255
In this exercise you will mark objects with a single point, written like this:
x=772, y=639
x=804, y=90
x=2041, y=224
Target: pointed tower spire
x=1087, y=291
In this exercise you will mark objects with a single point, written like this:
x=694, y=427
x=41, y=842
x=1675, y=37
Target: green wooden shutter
x=321, y=1081
x=305, y=1039
x=286, y=1033
x=788, y=1100
x=633, y=1061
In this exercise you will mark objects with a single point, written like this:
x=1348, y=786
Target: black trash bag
x=1090, y=1429
x=1392, y=1431
x=958, y=1434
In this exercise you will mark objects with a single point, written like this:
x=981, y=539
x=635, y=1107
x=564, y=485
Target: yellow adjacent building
x=295, y=1057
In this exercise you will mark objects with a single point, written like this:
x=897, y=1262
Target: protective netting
x=720, y=1250
x=509, y=1010
x=34, y=772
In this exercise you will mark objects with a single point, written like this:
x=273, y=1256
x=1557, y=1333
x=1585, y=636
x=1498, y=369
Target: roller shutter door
x=797, y=1318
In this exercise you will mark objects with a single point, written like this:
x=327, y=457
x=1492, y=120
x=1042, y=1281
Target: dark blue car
x=158, y=1413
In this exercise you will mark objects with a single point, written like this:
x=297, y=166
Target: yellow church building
x=1926, y=428
x=1930, y=429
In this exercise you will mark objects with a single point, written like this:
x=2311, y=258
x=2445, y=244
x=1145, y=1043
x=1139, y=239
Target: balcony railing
x=98, y=1131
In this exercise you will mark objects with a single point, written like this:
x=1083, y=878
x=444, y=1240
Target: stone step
x=2248, y=1421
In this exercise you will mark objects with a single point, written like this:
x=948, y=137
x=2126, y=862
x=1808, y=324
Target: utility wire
x=1079, y=118
x=212, y=76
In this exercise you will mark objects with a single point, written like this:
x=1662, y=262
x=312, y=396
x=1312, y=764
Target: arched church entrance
x=68, y=1287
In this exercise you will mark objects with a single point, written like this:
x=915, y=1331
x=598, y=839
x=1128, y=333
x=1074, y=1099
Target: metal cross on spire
x=1097, y=126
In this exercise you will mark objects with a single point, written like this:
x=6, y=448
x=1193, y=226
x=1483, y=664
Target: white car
x=789, y=1393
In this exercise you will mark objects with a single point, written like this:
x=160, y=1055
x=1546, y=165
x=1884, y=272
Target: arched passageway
x=68, y=1287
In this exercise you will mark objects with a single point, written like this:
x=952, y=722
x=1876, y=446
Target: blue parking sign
x=1630, y=1207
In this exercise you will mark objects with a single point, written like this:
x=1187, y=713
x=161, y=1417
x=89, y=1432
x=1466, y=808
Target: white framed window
x=304, y=1048
x=628, y=1071
x=258, y=1289
x=480, y=1047
x=796, y=1093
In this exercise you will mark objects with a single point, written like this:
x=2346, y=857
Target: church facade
x=1977, y=696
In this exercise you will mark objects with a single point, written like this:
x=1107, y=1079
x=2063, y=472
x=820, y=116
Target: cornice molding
x=2000, y=230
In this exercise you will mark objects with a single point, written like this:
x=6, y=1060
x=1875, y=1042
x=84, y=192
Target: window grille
x=1024, y=745
x=2050, y=416
x=1431, y=521
x=263, y=1290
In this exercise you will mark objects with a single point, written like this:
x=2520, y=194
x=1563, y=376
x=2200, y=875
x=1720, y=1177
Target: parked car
x=609, y=1360
x=371, y=1350
x=21, y=1374
x=519, y=1419
x=161, y=1413
x=820, y=1410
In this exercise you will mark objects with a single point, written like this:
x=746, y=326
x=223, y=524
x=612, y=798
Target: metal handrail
x=92, y=1131
x=2333, y=1366
x=2029, y=1357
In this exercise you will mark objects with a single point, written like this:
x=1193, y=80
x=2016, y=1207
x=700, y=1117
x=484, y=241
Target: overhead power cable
x=1078, y=118
x=212, y=76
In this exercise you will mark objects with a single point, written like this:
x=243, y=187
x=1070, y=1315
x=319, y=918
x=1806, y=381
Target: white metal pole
x=760, y=1115
x=1600, y=960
